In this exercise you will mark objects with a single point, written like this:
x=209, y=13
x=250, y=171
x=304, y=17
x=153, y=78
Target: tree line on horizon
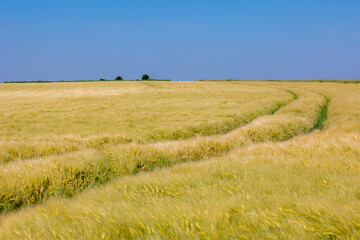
x=145, y=77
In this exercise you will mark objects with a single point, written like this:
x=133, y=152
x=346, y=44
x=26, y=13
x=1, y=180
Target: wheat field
x=180, y=160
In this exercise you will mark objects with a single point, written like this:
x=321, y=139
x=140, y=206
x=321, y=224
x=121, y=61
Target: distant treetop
x=145, y=77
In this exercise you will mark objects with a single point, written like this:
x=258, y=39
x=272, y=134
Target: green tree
x=119, y=78
x=145, y=77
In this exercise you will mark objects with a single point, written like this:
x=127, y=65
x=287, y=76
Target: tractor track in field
x=323, y=114
x=99, y=142
x=38, y=191
x=69, y=180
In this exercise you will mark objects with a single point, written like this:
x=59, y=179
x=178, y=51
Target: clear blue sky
x=179, y=39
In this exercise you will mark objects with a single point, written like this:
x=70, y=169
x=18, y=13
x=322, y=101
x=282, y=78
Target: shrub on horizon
x=145, y=77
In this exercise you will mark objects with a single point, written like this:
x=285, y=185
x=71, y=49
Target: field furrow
x=18, y=150
x=120, y=115
x=32, y=182
x=266, y=190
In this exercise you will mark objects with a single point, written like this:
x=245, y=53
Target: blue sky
x=180, y=40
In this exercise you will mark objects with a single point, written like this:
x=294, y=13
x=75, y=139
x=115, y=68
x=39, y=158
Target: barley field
x=180, y=160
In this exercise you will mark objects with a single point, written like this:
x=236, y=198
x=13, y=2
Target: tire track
x=27, y=151
x=323, y=114
x=36, y=182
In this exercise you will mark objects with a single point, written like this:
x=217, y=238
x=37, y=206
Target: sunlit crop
x=197, y=160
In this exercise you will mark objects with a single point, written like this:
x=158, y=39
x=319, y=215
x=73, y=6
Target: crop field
x=180, y=160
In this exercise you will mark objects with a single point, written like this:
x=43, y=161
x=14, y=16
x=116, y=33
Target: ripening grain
x=38, y=120
x=292, y=174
